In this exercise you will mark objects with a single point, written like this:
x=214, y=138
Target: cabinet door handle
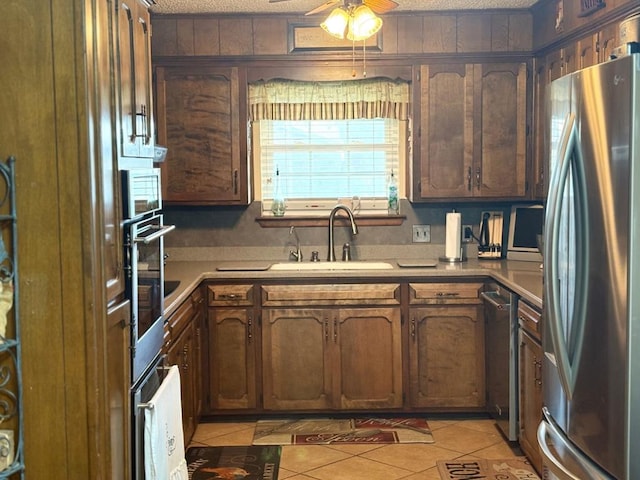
x=326, y=330
x=413, y=328
x=469, y=179
x=235, y=182
x=185, y=358
x=478, y=178
x=537, y=364
x=250, y=329
x=335, y=330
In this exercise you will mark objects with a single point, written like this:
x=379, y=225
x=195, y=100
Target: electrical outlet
x=467, y=231
x=421, y=234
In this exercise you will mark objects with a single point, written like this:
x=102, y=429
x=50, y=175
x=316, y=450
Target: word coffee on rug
x=351, y=430
x=517, y=468
x=233, y=463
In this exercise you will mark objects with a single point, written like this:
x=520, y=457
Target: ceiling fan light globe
x=336, y=23
x=363, y=24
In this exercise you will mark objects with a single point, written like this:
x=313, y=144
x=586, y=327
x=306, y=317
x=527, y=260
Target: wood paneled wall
x=402, y=34
x=545, y=14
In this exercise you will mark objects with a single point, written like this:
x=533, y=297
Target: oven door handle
x=155, y=235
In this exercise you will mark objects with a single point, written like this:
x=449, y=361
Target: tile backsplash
x=224, y=231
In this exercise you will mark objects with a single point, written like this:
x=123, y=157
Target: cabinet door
x=232, y=377
x=368, y=371
x=530, y=396
x=182, y=354
x=296, y=353
x=502, y=129
x=446, y=356
x=199, y=120
x=446, y=126
x=118, y=363
x=607, y=41
x=135, y=95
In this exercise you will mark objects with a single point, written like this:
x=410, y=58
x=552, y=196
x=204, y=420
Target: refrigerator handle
x=547, y=429
x=549, y=434
x=551, y=278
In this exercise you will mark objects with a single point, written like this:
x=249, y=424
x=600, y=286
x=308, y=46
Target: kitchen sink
x=170, y=286
x=311, y=266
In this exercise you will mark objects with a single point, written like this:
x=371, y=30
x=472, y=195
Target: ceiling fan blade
x=380, y=6
x=324, y=6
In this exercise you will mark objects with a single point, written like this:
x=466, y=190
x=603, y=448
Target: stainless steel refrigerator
x=591, y=369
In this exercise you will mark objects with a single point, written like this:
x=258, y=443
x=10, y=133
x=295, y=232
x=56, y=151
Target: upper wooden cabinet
x=473, y=129
x=135, y=84
x=202, y=121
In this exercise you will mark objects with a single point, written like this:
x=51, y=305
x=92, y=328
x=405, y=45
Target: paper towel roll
x=453, y=239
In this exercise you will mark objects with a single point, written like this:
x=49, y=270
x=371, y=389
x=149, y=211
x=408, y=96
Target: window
x=328, y=151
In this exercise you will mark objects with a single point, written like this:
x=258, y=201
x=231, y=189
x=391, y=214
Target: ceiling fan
x=378, y=6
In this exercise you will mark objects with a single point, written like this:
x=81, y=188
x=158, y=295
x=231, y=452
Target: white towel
x=164, y=457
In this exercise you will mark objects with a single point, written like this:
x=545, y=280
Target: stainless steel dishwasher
x=501, y=347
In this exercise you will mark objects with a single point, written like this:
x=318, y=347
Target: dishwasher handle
x=495, y=299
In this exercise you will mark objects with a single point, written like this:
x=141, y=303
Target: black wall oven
x=144, y=264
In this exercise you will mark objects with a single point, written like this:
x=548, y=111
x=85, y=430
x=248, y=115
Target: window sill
x=315, y=221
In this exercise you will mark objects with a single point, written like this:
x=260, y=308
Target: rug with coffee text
x=233, y=463
x=351, y=430
x=517, y=468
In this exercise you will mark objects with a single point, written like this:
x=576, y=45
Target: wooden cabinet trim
x=530, y=319
x=230, y=295
x=439, y=293
x=331, y=294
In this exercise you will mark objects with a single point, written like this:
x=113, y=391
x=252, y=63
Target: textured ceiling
x=302, y=6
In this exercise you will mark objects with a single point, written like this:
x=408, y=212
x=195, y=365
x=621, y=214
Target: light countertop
x=523, y=278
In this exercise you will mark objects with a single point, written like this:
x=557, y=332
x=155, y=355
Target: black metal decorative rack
x=11, y=413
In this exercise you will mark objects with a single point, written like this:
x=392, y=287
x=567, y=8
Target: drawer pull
x=447, y=294
x=228, y=296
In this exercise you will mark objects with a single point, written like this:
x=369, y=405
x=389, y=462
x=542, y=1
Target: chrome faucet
x=297, y=253
x=331, y=254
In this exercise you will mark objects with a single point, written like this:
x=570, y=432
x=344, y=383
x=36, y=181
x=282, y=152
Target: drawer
x=325, y=294
x=530, y=319
x=445, y=293
x=230, y=295
x=184, y=314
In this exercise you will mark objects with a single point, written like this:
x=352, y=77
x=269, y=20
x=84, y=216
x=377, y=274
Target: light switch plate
x=421, y=234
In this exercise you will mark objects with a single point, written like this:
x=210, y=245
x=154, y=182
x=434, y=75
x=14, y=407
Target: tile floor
x=455, y=438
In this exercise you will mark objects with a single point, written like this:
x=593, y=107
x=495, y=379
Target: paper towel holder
x=460, y=257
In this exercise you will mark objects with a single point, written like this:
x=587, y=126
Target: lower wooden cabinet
x=346, y=358
x=232, y=359
x=446, y=351
x=184, y=347
x=446, y=345
x=232, y=334
x=331, y=347
x=531, y=399
x=182, y=353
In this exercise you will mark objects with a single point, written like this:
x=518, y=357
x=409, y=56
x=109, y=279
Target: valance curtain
x=295, y=100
